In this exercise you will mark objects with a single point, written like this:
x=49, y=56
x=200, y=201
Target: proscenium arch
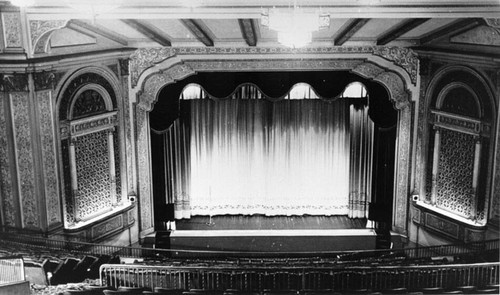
x=395, y=84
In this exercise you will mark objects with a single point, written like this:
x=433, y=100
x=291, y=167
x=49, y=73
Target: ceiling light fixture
x=294, y=26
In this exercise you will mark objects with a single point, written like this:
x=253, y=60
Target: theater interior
x=231, y=147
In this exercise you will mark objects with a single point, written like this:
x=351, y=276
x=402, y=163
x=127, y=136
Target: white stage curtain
x=361, y=157
x=247, y=155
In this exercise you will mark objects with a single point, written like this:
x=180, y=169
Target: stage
x=263, y=235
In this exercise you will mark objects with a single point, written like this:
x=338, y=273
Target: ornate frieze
x=25, y=162
x=145, y=58
x=397, y=90
x=12, y=30
x=459, y=123
x=93, y=124
x=14, y=82
x=51, y=183
x=40, y=32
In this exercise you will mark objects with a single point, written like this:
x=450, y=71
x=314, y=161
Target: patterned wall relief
x=118, y=177
x=12, y=30
x=40, y=31
x=403, y=168
x=10, y=204
x=25, y=162
x=456, y=162
x=69, y=211
x=89, y=102
x=49, y=167
x=92, y=169
x=76, y=84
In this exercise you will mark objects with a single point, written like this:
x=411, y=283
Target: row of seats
x=494, y=289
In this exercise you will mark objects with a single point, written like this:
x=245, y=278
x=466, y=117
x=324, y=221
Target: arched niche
x=155, y=80
x=455, y=177
x=90, y=142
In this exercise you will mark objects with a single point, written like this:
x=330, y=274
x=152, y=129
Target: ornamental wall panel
x=456, y=164
x=25, y=162
x=92, y=170
x=49, y=168
x=10, y=204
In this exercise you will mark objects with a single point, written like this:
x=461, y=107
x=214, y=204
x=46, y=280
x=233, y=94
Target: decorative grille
x=456, y=165
x=92, y=169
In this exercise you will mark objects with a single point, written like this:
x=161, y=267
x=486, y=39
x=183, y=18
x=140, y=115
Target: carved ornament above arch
x=145, y=58
x=40, y=32
x=152, y=84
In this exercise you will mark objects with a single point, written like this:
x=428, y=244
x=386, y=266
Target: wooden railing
x=11, y=270
x=300, y=278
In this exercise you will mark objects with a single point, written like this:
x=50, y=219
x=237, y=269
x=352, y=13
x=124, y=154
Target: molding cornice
x=145, y=58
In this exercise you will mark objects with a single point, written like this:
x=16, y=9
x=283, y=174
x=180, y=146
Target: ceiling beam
x=78, y=25
x=198, y=31
x=400, y=30
x=461, y=25
x=247, y=28
x=149, y=31
x=351, y=29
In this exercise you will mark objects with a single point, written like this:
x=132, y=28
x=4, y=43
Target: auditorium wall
x=74, y=132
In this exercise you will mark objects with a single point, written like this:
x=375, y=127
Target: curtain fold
x=361, y=156
x=247, y=155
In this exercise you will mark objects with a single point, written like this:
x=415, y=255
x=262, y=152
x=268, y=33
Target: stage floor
x=257, y=235
x=261, y=222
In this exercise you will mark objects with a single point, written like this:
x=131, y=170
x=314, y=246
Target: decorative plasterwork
x=145, y=58
x=93, y=124
x=40, y=31
x=493, y=22
x=14, y=83
x=25, y=161
x=394, y=84
x=9, y=204
x=12, y=30
x=51, y=183
x=46, y=80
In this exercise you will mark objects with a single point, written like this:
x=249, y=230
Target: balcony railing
x=300, y=278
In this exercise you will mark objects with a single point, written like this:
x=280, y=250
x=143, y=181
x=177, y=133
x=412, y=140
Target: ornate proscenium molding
x=145, y=58
x=40, y=31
